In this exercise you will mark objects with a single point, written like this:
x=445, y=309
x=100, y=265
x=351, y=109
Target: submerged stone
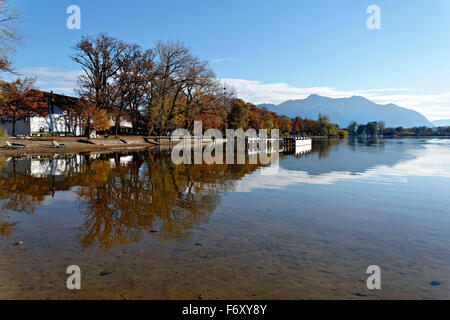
x=361, y=294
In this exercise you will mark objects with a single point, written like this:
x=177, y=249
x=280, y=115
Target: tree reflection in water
x=123, y=200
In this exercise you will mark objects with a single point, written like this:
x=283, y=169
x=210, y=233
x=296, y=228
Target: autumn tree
x=164, y=91
x=139, y=78
x=298, y=126
x=20, y=100
x=200, y=82
x=101, y=59
x=122, y=83
x=9, y=36
x=117, y=76
x=285, y=125
x=237, y=118
x=179, y=78
x=214, y=107
x=90, y=117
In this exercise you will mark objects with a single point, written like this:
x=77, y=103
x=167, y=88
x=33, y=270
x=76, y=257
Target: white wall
x=57, y=167
x=53, y=122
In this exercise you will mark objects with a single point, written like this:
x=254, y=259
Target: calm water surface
x=161, y=231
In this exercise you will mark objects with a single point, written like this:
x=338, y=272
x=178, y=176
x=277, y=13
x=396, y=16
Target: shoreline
x=42, y=145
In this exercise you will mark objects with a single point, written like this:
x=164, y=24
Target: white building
x=57, y=120
x=54, y=167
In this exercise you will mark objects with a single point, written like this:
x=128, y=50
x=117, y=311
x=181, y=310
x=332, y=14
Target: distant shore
x=399, y=136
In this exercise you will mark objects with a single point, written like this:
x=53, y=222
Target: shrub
x=343, y=134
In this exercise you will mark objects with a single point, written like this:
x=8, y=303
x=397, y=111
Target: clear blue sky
x=300, y=44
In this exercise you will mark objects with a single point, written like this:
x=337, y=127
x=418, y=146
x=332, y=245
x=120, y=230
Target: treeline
x=167, y=87
x=321, y=127
x=243, y=115
x=156, y=90
x=376, y=128
x=417, y=131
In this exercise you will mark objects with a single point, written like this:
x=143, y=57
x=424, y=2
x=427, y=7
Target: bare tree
x=100, y=58
x=178, y=76
x=200, y=81
x=140, y=79
x=172, y=61
x=121, y=84
x=161, y=89
x=9, y=36
x=136, y=71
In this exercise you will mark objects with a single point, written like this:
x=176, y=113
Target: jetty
x=268, y=144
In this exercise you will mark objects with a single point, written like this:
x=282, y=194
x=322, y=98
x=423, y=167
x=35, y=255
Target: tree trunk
x=135, y=127
x=14, y=126
x=88, y=129
x=116, y=125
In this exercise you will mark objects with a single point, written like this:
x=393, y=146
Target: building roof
x=64, y=102
x=60, y=100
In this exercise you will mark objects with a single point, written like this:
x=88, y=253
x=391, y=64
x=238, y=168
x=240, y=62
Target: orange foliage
x=20, y=100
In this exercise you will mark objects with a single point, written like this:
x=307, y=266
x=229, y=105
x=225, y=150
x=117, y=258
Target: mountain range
x=344, y=110
x=442, y=123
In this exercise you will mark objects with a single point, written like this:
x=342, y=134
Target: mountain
x=344, y=110
x=442, y=123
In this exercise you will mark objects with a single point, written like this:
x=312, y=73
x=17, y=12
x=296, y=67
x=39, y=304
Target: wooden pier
x=290, y=143
x=293, y=141
x=253, y=145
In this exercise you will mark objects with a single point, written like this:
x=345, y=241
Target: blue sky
x=269, y=51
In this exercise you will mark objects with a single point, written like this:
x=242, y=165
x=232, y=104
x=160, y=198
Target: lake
x=141, y=227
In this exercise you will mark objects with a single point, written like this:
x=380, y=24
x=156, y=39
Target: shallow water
x=161, y=231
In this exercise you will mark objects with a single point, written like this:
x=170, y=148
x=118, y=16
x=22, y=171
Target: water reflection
x=148, y=194
x=168, y=231
x=372, y=161
x=122, y=196
x=353, y=156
